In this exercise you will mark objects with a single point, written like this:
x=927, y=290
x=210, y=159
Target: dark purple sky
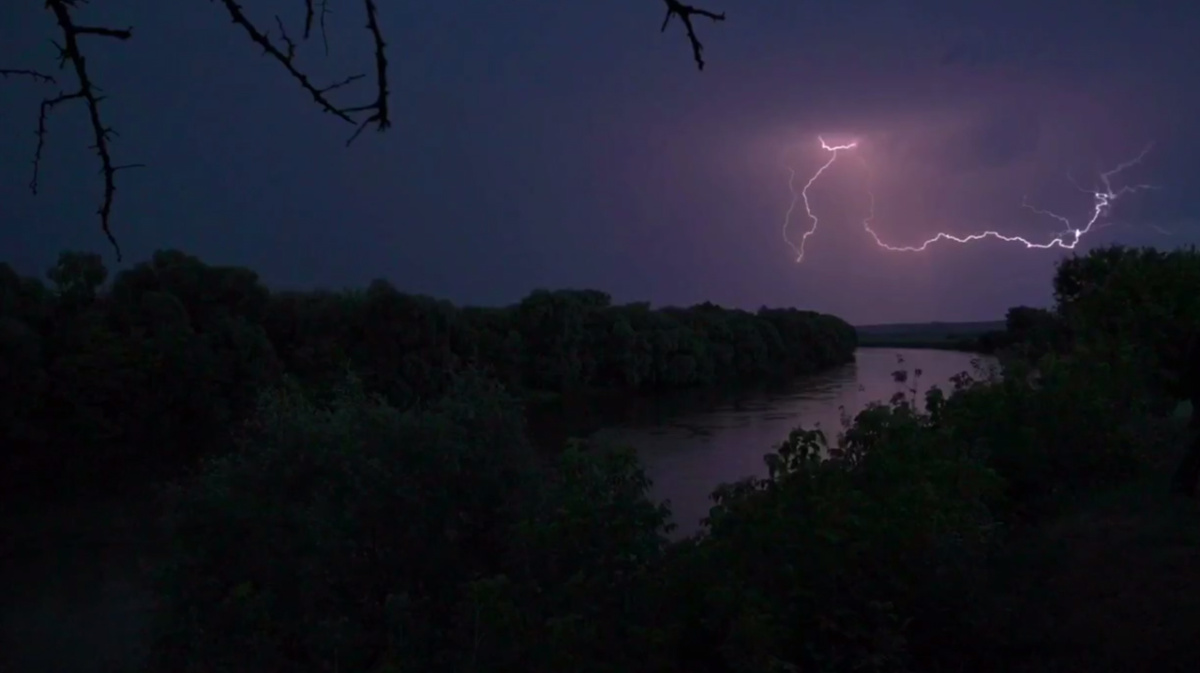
x=541, y=143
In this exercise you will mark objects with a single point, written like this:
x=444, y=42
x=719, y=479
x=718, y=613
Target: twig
x=324, y=34
x=685, y=14
x=308, y=18
x=291, y=46
x=378, y=109
x=309, y=13
x=380, y=106
x=34, y=74
x=377, y=112
x=69, y=53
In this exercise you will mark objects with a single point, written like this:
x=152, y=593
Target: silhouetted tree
x=1141, y=303
x=395, y=516
x=158, y=367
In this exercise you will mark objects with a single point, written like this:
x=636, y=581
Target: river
x=81, y=607
x=689, y=443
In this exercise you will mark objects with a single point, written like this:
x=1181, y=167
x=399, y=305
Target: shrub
x=334, y=537
x=848, y=562
x=356, y=537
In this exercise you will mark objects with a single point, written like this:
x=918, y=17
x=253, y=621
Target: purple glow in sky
x=551, y=144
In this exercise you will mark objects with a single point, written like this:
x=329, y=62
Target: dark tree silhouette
x=282, y=48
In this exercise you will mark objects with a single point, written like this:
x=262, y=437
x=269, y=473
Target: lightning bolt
x=1069, y=237
x=803, y=196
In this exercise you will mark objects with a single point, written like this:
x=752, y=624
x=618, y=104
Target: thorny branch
x=32, y=74
x=70, y=53
x=377, y=112
x=685, y=14
x=309, y=13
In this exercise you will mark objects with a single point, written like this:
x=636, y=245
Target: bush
x=1059, y=427
x=355, y=537
x=335, y=536
x=847, y=563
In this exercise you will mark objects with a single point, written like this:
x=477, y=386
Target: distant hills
x=926, y=334
x=955, y=328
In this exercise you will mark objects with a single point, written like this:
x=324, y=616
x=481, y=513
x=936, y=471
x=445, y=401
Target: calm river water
x=80, y=606
x=690, y=443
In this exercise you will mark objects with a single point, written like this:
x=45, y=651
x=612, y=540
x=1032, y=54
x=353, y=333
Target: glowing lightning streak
x=1069, y=238
x=1101, y=202
x=803, y=195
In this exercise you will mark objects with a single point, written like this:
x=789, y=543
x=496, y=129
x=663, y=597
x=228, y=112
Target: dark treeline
x=108, y=381
x=347, y=534
x=1140, y=300
x=359, y=525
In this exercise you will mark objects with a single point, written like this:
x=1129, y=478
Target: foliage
x=1143, y=299
x=398, y=519
x=843, y=563
x=358, y=537
x=152, y=370
x=1065, y=426
x=1028, y=333
x=288, y=555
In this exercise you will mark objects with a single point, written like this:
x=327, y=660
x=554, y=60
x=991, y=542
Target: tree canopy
x=880, y=549
x=351, y=485
x=156, y=366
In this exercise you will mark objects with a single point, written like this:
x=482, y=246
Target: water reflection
x=691, y=443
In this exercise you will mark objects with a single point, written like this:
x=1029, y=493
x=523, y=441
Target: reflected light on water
x=688, y=453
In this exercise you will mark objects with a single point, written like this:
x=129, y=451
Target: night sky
x=542, y=143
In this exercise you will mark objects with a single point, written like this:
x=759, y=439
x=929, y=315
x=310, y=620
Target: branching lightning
x=798, y=248
x=1069, y=237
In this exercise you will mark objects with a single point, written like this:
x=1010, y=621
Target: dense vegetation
x=365, y=524
x=102, y=382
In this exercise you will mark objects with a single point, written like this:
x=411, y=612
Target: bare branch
x=69, y=53
x=324, y=34
x=377, y=112
x=286, y=56
x=308, y=18
x=685, y=14
x=291, y=46
x=47, y=105
x=311, y=13
x=342, y=83
x=380, y=117
x=118, y=33
x=33, y=74
x=260, y=38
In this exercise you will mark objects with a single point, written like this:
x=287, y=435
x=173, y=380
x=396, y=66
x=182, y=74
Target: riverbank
x=766, y=382
x=1087, y=589
x=689, y=442
x=961, y=345
x=75, y=586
